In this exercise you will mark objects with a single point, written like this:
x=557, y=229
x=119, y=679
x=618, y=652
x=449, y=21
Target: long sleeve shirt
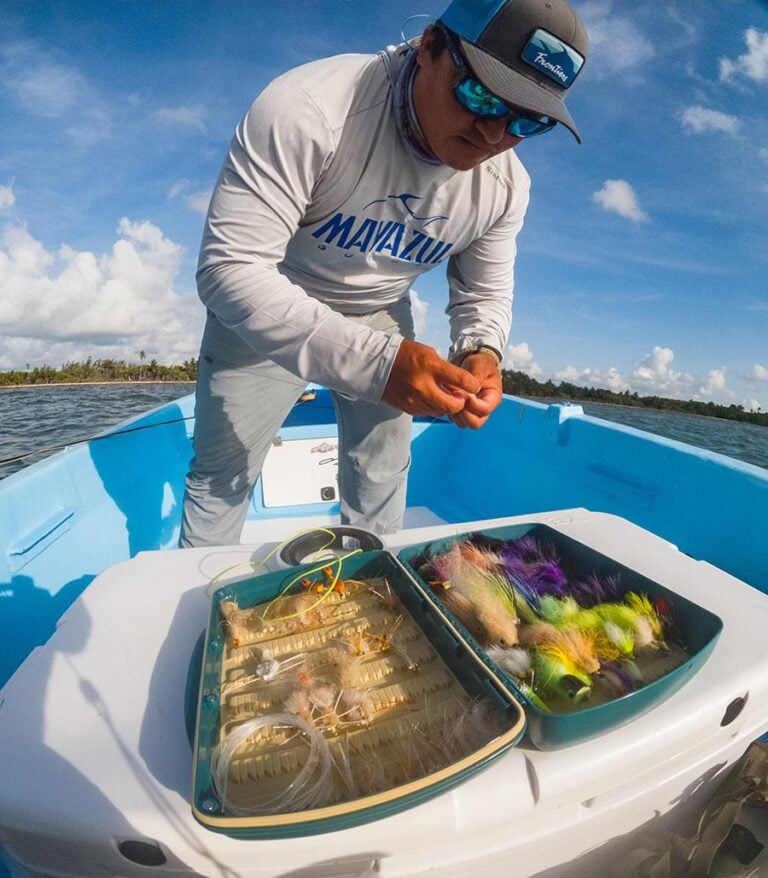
x=322, y=211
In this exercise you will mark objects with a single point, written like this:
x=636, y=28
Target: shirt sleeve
x=278, y=153
x=481, y=280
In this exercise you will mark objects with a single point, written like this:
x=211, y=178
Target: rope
x=51, y=448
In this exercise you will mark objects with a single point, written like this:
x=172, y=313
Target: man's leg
x=375, y=445
x=238, y=412
x=374, y=456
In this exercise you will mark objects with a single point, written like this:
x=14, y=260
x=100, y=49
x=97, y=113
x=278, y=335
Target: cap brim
x=516, y=89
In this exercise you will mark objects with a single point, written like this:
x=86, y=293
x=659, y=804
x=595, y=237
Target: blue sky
x=644, y=257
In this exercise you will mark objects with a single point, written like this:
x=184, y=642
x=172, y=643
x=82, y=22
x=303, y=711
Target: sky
x=642, y=264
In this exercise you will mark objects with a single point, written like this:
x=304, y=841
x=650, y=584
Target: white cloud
x=419, y=309
x=655, y=368
x=758, y=373
x=751, y=405
x=617, y=196
x=197, y=201
x=520, y=358
x=571, y=374
x=194, y=117
x=611, y=379
x=614, y=381
x=50, y=88
x=72, y=301
x=615, y=43
x=654, y=374
x=700, y=120
x=753, y=63
x=714, y=382
x=7, y=198
x=180, y=187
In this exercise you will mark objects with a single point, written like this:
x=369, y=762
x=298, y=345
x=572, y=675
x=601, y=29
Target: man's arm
x=262, y=194
x=263, y=191
x=481, y=282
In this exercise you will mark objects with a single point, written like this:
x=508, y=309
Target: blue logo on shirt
x=404, y=199
x=552, y=57
x=387, y=237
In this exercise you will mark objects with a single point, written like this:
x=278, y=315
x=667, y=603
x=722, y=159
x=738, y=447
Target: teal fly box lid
x=586, y=642
x=334, y=695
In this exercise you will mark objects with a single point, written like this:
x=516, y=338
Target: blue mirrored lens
x=476, y=98
x=524, y=127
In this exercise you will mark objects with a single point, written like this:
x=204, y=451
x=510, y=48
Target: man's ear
x=425, y=46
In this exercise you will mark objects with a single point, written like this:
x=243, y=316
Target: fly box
x=334, y=695
x=586, y=642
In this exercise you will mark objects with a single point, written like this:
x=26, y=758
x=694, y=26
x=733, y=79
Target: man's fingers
x=456, y=377
x=455, y=391
x=422, y=383
x=466, y=419
x=483, y=403
x=451, y=400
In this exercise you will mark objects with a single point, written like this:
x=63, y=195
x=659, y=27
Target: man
x=347, y=179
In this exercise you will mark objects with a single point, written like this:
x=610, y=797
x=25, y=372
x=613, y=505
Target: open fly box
x=331, y=696
x=586, y=642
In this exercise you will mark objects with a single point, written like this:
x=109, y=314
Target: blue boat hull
x=69, y=517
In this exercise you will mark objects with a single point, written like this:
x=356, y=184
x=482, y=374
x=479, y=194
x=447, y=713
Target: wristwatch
x=478, y=349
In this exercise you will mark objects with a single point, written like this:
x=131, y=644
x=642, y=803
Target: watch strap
x=479, y=349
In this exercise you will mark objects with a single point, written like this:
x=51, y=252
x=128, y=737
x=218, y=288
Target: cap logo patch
x=552, y=57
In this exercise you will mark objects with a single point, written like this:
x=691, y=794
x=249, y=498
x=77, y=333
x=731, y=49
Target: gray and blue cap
x=528, y=52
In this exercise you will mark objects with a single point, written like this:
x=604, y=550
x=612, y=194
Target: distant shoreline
x=89, y=383
x=519, y=384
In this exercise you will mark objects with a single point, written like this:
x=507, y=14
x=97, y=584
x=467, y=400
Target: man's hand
x=477, y=408
x=423, y=383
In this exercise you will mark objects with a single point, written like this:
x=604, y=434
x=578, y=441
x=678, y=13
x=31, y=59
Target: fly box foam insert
x=586, y=642
x=333, y=695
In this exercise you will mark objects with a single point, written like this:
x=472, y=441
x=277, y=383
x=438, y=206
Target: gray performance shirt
x=321, y=211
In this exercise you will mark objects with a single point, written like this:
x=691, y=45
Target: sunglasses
x=475, y=97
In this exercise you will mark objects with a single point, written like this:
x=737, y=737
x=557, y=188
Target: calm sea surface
x=40, y=417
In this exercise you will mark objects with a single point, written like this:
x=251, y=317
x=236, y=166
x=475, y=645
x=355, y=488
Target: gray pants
x=240, y=403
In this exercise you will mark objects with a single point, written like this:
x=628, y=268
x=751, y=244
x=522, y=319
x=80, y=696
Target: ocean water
x=748, y=442
x=33, y=418
x=41, y=417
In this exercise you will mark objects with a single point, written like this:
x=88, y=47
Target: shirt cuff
x=458, y=358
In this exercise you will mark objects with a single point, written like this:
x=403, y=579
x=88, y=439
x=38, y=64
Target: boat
x=101, y=621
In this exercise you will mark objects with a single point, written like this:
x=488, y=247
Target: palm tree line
x=101, y=370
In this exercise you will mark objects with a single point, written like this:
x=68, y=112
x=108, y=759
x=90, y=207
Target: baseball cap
x=528, y=52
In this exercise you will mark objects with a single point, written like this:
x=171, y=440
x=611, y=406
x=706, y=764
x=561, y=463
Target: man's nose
x=493, y=130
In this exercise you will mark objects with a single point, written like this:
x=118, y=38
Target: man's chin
x=463, y=156
x=464, y=162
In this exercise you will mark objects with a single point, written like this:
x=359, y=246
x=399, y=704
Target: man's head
x=505, y=75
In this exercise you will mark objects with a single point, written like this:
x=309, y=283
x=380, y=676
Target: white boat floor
x=95, y=750
x=258, y=531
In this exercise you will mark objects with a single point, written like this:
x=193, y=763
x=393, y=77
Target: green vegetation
x=520, y=384
x=516, y=383
x=97, y=371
